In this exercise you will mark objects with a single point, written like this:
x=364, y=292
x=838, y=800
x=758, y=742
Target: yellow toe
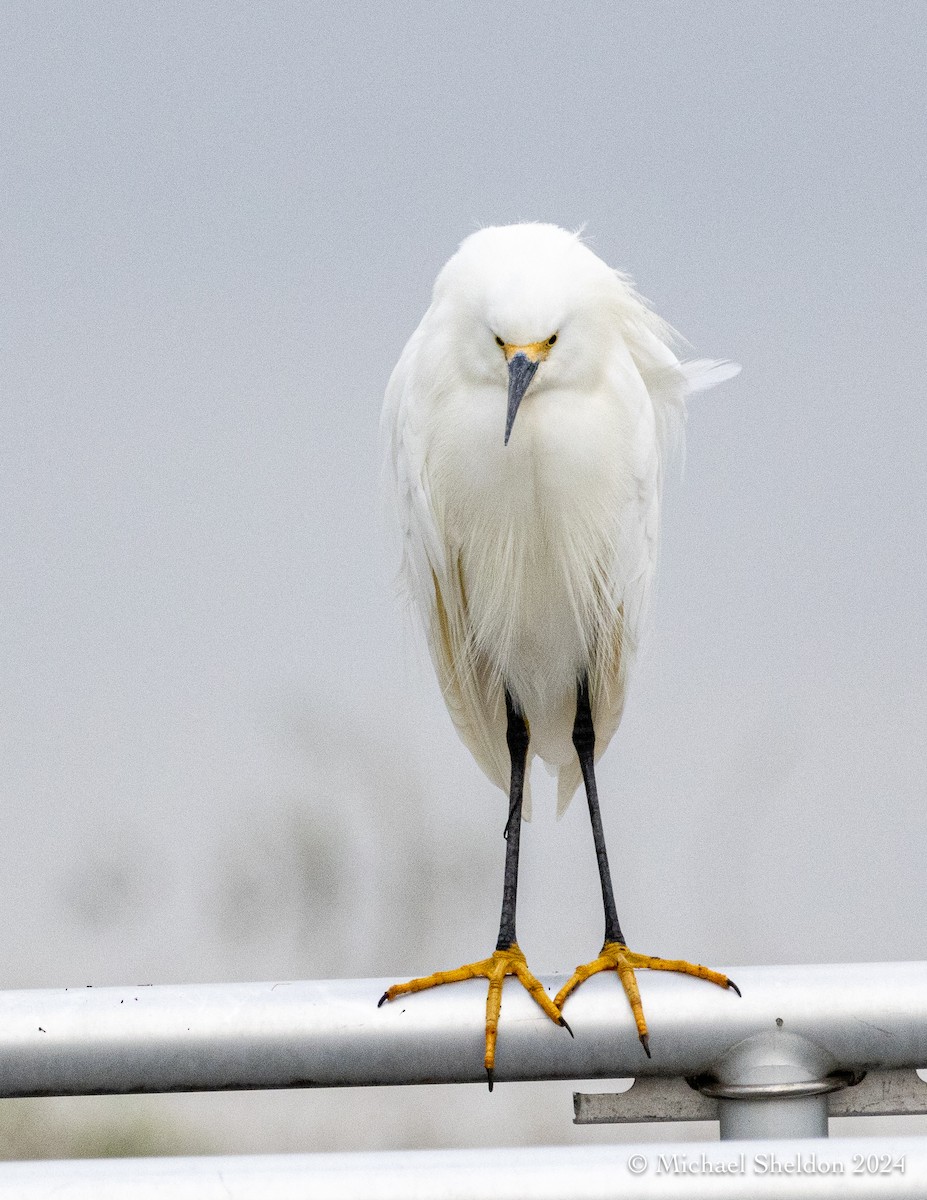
x=501, y=963
x=615, y=956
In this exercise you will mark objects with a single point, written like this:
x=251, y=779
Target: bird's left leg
x=615, y=955
x=508, y=958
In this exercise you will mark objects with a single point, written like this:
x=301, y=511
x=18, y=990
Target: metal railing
x=802, y=1042
x=754, y=1170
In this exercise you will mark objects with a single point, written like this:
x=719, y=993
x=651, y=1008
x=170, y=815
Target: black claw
x=645, y=1042
x=733, y=985
x=489, y=1077
x=566, y=1027
x=383, y=999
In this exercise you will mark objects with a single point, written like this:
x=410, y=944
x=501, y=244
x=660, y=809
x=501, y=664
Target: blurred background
x=224, y=755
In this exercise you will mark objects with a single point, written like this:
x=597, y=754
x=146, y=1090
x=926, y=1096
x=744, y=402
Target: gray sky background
x=224, y=755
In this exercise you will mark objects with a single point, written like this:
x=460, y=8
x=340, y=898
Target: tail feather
x=569, y=777
x=701, y=374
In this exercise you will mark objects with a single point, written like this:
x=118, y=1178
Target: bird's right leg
x=615, y=955
x=507, y=958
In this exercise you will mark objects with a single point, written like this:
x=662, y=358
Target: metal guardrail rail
x=767, y=1066
x=694, y=1171
x=211, y=1037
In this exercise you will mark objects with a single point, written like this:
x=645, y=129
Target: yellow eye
x=499, y=341
x=551, y=339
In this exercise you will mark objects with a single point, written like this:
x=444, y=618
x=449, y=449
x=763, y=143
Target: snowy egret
x=529, y=419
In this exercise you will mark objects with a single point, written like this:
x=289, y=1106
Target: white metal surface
x=846, y=1169
x=79, y=1041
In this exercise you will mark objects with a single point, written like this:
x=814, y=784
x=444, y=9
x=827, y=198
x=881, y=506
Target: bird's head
x=526, y=306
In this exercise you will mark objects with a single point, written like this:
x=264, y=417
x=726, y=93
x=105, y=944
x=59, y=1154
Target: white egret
x=529, y=420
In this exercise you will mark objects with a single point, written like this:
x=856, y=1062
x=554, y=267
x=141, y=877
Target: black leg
x=507, y=959
x=615, y=954
x=516, y=735
x=584, y=741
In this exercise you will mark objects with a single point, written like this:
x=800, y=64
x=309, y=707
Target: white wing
x=433, y=578
x=668, y=382
x=422, y=550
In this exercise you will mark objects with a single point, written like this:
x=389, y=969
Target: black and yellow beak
x=523, y=363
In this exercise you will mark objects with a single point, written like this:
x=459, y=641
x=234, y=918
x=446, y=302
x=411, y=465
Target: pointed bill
x=521, y=372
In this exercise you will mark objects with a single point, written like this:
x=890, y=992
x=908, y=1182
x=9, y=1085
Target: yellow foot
x=616, y=956
x=495, y=969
